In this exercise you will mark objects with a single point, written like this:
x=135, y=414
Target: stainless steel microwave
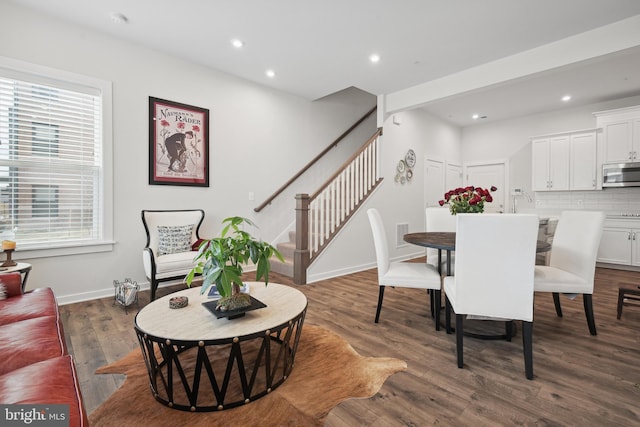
x=621, y=175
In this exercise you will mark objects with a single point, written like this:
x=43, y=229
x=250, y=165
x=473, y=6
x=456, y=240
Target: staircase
x=321, y=215
x=287, y=249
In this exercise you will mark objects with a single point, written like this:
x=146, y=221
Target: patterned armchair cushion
x=174, y=239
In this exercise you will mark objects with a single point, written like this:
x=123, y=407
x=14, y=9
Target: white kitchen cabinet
x=583, y=167
x=635, y=247
x=620, y=243
x=620, y=134
x=615, y=246
x=566, y=161
x=540, y=164
x=550, y=157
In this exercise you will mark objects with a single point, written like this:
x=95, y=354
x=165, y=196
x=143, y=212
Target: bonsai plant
x=220, y=261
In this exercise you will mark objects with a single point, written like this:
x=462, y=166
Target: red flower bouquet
x=468, y=199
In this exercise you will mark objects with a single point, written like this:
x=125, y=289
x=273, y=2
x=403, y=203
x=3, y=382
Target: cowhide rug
x=327, y=371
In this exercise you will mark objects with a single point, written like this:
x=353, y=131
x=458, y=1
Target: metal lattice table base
x=214, y=375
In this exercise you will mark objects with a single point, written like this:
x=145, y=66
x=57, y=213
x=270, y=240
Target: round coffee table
x=197, y=362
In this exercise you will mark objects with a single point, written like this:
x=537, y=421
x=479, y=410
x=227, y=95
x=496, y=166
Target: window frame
x=17, y=69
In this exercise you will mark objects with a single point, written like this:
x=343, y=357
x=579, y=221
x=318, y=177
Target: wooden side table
x=21, y=267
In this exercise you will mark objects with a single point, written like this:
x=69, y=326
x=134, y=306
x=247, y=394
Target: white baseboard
x=311, y=278
x=336, y=273
x=109, y=292
x=618, y=266
x=106, y=292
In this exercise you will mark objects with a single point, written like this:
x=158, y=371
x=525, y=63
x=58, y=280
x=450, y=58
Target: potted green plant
x=220, y=261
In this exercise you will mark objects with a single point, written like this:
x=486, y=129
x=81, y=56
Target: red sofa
x=35, y=366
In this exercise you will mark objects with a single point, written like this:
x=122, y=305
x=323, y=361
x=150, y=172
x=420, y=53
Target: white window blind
x=50, y=162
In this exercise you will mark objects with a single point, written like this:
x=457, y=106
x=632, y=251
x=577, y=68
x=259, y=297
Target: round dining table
x=446, y=241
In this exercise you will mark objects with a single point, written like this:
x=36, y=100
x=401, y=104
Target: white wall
x=397, y=203
x=259, y=138
x=511, y=139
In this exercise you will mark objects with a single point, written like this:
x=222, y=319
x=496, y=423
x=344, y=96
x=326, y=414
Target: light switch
x=252, y=196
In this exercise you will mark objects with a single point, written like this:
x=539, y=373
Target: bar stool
x=627, y=296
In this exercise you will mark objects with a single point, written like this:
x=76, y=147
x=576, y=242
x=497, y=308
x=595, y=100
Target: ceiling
x=602, y=79
x=317, y=48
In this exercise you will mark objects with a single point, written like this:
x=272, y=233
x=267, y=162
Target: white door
x=454, y=176
x=487, y=175
x=433, y=181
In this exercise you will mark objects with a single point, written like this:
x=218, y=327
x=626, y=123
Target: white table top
x=194, y=322
x=21, y=267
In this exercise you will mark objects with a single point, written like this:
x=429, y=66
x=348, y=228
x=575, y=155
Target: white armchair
x=168, y=254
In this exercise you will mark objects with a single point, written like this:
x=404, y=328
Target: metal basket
x=126, y=293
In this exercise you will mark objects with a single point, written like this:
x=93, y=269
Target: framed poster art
x=178, y=144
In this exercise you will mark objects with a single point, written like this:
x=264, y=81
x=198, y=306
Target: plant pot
x=233, y=314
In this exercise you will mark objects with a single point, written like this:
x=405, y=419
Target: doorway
x=486, y=175
x=434, y=181
x=440, y=177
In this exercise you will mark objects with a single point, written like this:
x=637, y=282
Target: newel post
x=301, y=255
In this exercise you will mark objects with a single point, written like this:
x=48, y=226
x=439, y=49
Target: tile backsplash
x=613, y=201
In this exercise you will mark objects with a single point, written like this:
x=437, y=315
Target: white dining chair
x=439, y=219
x=572, y=261
x=401, y=274
x=492, y=290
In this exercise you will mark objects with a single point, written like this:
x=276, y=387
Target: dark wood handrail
x=345, y=164
x=315, y=159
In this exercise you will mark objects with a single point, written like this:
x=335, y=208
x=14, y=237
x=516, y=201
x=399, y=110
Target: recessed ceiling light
x=566, y=98
x=375, y=58
x=475, y=116
x=118, y=18
x=237, y=43
x=270, y=73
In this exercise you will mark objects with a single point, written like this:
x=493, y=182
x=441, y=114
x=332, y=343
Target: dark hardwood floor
x=579, y=379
